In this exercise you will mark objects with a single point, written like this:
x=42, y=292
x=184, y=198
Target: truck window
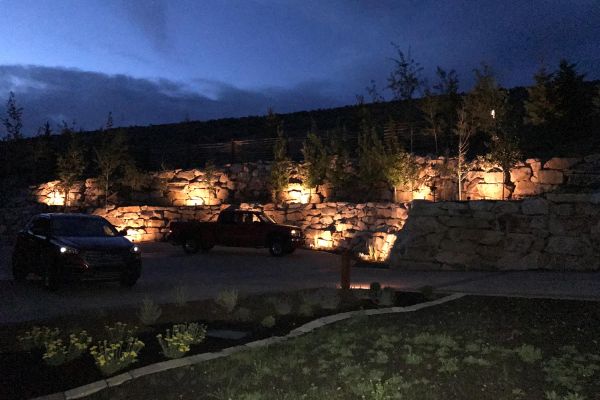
x=243, y=218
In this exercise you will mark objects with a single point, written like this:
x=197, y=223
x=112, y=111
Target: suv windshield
x=88, y=227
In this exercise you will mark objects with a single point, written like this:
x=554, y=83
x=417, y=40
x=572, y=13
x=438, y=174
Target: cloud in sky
x=57, y=94
x=151, y=17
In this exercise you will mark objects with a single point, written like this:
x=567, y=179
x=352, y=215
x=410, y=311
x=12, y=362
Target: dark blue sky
x=164, y=60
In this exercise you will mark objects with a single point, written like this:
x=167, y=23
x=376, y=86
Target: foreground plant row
x=116, y=350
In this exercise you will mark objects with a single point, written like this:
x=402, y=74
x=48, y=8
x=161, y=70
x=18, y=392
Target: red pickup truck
x=236, y=228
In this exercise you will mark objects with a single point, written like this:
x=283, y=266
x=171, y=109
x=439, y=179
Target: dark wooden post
x=345, y=272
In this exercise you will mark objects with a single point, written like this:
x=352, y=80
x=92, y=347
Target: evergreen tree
x=71, y=165
x=280, y=174
x=14, y=119
x=574, y=105
x=111, y=158
x=43, y=155
x=540, y=105
x=485, y=104
x=109, y=121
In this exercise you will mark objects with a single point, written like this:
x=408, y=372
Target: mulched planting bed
x=472, y=348
x=25, y=374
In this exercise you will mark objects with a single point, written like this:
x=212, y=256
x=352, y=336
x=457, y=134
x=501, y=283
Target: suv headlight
x=67, y=250
x=295, y=232
x=135, y=249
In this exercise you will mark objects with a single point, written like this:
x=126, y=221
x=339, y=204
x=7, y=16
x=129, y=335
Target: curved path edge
x=117, y=380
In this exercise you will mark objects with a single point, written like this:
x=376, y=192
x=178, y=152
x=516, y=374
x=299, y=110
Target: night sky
x=162, y=61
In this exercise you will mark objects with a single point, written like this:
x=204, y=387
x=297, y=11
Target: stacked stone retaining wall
x=368, y=228
x=248, y=182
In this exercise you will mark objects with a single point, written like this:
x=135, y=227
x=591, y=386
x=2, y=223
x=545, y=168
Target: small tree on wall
x=401, y=168
x=404, y=81
x=70, y=166
x=210, y=174
x=504, y=151
x=371, y=160
x=463, y=131
x=316, y=159
x=280, y=174
x=339, y=164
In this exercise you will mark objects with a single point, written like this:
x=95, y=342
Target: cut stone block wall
x=555, y=232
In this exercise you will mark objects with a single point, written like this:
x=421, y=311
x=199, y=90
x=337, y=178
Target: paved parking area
x=255, y=271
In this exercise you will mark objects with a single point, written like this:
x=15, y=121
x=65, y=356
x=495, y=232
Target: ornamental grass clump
x=227, y=299
x=113, y=357
x=149, y=312
x=176, y=342
x=58, y=353
x=37, y=337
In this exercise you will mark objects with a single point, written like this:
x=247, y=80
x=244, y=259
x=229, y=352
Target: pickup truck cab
x=236, y=228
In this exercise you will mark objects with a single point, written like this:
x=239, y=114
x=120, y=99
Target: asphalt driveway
x=255, y=271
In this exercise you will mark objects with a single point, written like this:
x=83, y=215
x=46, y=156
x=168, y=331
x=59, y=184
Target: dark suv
x=60, y=247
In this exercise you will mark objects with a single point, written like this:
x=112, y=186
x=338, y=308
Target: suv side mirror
x=123, y=232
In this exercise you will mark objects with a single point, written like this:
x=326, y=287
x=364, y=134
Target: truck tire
x=18, y=269
x=191, y=245
x=206, y=245
x=277, y=247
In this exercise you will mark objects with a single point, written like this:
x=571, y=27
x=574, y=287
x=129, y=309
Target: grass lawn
x=472, y=348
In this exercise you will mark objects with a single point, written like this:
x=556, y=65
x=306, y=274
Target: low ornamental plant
x=58, y=353
x=37, y=337
x=113, y=357
x=387, y=297
x=176, y=342
x=118, y=332
x=268, y=321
